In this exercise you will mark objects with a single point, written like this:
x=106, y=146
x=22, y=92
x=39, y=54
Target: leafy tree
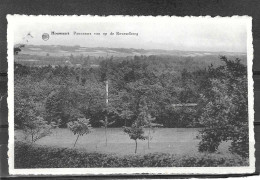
x=135, y=132
x=79, y=127
x=225, y=109
x=121, y=106
x=29, y=96
x=35, y=127
x=63, y=105
x=90, y=101
x=18, y=49
x=60, y=105
x=29, y=108
x=148, y=121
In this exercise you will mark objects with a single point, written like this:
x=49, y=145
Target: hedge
x=36, y=156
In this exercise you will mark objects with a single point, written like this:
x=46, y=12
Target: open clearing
x=164, y=140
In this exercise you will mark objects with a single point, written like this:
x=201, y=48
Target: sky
x=169, y=33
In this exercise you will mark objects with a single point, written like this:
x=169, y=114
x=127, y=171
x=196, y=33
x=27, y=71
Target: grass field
x=166, y=140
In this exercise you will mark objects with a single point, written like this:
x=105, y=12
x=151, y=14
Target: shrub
x=35, y=156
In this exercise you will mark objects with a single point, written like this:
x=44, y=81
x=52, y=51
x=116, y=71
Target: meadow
x=179, y=141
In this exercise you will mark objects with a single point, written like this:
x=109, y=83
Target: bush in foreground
x=35, y=156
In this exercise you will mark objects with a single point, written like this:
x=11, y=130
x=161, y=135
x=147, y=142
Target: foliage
x=136, y=81
x=28, y=98
x=80, y=127
x=34, y=156
x=61, y=106
x=18, y=49
x=159, y=80
x=29, y=108
x=74, y=101
x=135, y=132
x=225, y=114
x=147, y=120
x=35, y=128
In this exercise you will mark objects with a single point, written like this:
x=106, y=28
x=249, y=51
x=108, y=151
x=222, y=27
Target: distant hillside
x=53, y=50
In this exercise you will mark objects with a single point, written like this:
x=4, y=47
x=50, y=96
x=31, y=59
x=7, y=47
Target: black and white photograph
x=94, y=95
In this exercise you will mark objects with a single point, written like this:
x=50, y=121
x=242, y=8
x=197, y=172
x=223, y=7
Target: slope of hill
x=53, y=50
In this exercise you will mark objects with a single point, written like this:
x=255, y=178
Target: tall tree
x=225, y=109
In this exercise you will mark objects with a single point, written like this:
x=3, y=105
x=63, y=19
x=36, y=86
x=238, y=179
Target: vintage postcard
x=92, y=95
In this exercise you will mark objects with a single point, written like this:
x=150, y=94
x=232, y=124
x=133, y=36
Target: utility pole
x=107, y=92
x=106, y=120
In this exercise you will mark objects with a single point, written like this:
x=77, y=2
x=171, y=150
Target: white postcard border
x=124, y=171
